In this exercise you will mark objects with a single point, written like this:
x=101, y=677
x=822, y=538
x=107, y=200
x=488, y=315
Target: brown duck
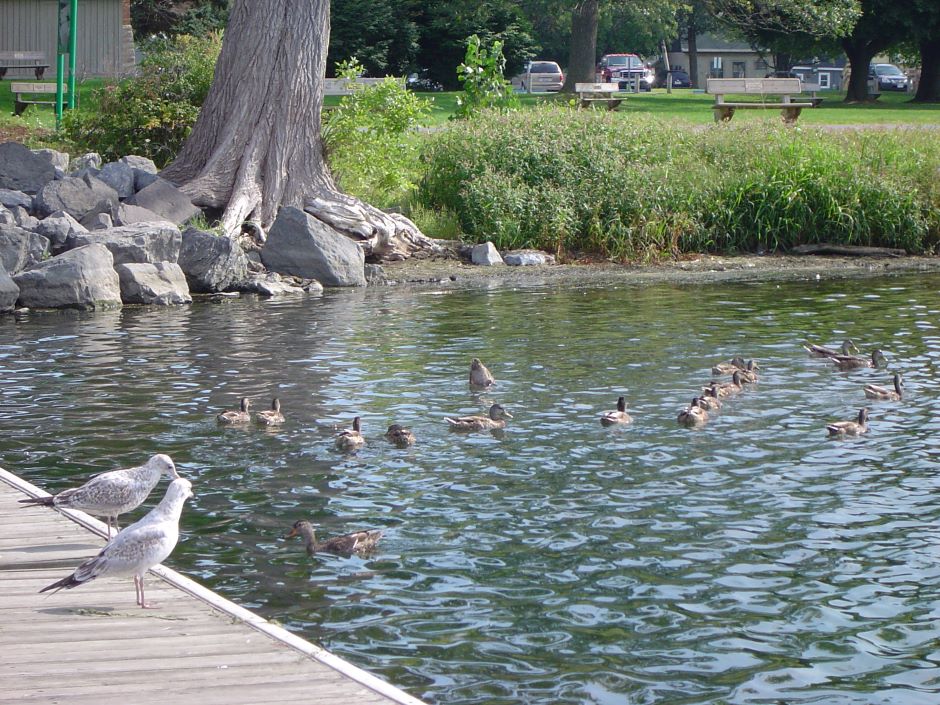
x=357, y=542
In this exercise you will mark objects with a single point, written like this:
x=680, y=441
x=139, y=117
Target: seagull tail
x=64, y=584
x=41, y=501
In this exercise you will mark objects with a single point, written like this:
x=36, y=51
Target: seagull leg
x=142, y=602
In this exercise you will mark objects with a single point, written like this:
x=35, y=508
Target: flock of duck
x=149, y=541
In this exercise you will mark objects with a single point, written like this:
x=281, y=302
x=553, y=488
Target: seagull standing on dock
x=111, y=494
x=139, y=547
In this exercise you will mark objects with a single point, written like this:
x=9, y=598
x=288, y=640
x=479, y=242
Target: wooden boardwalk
x=94, y=645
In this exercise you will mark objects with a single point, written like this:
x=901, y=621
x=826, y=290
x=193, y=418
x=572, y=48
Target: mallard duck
x=710, y=402
x=694, y=415
x=346, y=545
x=848, y=348
x=609, y=418
x=272, y=416
x=728, y=368
x=399, y=435
x=749, y=373
x=495, y=420
x=873, y=391
x=850, y=428
x=479, y=375
x=351, y=438
x=854, y=362
x=236, y=417
x=726, y=389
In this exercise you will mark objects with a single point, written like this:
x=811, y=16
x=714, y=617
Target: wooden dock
x=94, y=645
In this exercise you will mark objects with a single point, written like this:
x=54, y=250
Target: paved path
x=93, y=645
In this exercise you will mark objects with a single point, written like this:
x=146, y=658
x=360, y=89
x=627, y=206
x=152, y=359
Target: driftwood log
x=847, y=250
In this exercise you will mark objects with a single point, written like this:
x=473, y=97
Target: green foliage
x=153, y=114
x=382, y=36
x=169, y=17
x=656, y=189
x=481, y=74
x=369, y=137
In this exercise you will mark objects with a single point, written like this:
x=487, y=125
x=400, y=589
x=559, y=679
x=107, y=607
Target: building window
x=737, y=69
x=715, y=69
x=824, y=79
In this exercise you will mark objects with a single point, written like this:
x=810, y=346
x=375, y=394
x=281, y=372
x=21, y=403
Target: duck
x=850, y=428
x=351, y=438
x=495, y=420
x=728, y=368
x=873, y=391
x=272, y=416
x=359, y=542
x=400, y=436
x=848, y=348
x=480, y=377
x=855, y=362
x=726, y=389
x=609, y=418
x=710, y=402
x=749, y=373
x=694, y=415
x=236, y=417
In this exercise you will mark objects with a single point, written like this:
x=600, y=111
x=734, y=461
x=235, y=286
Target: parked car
x=421, y=82
x=540, y=76
x=623, y=69
x=680, y=79
x=889, y=77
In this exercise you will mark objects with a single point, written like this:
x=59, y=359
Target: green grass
x=37, y=125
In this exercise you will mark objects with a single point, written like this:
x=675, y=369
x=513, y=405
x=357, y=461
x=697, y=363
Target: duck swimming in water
x=694, y=415
x=351, y=438
x=400, y=436
x=850, y=428
x=873, y=391
x=496, y=420
x=480, y=377
x=855, y=362
x=272, y=416
x=236, y=417
x=848, y=348
x=610, y=418
x=357, y=542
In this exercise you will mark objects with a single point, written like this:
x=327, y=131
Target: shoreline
x=696, y=269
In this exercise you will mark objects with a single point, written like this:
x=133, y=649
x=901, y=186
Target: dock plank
x=94, y=645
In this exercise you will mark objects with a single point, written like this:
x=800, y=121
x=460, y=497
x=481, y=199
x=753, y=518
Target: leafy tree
x=380, y=34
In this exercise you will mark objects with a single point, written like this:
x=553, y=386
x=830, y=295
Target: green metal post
x=59, y=77
x=73, y=43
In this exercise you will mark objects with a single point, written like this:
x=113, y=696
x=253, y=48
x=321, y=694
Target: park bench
x=33, y=60
x=786, y=88
x=590, y=94
x=25, y=94
x=345, y=86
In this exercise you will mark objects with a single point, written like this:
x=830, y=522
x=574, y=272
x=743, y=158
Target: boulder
x=79, y=197
x=10, y=199
x=167, y=201
x=158, y=283
x=9, y=292
x=98, y=221
x=485, y=254
x=212, y=263
x=140, y=242
x=271, y=284
x=58, y=160
x=119, y=176
x=375, y=275
x=82, y=278
x=528, y=258
x=21, y=170
x=6, y=216
x=23, y=218
x=14, y=248
x=38, y=250
x=127, y=215
x=145, y=171
x=59, y=227
x=301, y=245
x=89, y=160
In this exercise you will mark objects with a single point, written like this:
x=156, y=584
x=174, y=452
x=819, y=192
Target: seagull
x=139, y=547
x=113, y=493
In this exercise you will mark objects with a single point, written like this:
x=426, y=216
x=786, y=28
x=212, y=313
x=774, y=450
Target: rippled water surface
x=753, y=561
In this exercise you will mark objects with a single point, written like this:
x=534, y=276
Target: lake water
x=752, y=561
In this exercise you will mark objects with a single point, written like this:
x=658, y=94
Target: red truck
x=624, y=69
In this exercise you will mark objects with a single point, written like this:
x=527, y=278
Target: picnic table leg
x=723, y=113
x=18, y=107
x=790, y=114
x=40, y=70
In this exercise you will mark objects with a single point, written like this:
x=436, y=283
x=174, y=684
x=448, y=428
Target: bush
x=481, y=74
x=631, y=187
x=153, y=114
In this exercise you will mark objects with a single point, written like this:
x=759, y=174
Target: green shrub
x=152, y=114
x=631, y=187
x=484, y=85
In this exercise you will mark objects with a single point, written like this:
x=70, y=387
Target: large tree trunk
x=582, y=55
x=256, y=145
x=860, y=54
x=928, y=90
x=693, y=57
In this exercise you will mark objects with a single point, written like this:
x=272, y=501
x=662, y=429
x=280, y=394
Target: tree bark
x=860, y=54
x=693, y=57
x=928, y=90
x=582, y=55
x=256, y=145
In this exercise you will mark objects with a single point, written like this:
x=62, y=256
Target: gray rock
x=375, y=275
x=23, y=218
x=485, y=254
x=527, y=258
x=167, y=201
x=59, y=227
x=301, y=245
x=38, y=249
x=98, y=221
x=158, y=283
x=118, y=176
x=21, y=170
x=82, y=278
x=77, y=196
x=6, y=216
x=14, y=248
x=11, y=198
x=89, y=160
x=9, y=292
x=140, y=242
x=145, y=171
x=58, y=160
x=125, y=214
x=270, y=284
x=212, y=263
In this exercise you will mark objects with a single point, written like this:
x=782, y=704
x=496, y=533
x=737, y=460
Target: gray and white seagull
x=137, y=548
x=113, y=493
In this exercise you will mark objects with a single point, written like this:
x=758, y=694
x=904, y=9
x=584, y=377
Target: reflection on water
x=752, y=561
